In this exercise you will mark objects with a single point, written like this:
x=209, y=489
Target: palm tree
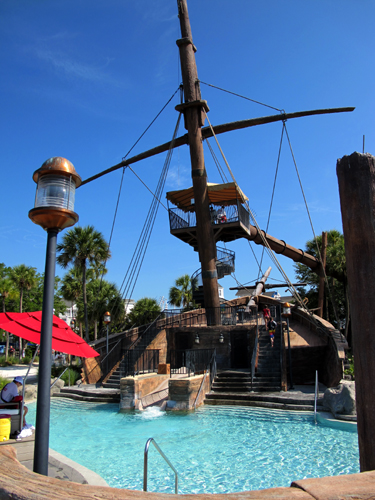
x=182, y=292
x=6, y=289
x=83, y=247
x=104, y=296
x=145, y=311
x=23, y=278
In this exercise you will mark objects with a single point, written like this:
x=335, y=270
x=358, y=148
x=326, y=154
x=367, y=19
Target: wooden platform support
x=356, y=178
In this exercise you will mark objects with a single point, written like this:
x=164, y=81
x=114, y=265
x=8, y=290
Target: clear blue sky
x=83, y=79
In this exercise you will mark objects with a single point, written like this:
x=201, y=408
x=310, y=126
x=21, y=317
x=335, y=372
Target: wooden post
x=192, y=109
x=323, y=254
x=356, y=178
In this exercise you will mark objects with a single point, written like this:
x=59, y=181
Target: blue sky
x=83, y=80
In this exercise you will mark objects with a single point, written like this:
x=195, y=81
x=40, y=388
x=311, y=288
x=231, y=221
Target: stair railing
x=254, y=355
x=211, y=369
x=149, y=441
x=316, y=395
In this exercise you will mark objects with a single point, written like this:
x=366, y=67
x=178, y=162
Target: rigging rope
x=312, y=228
x=273, y=189
x=122, y=177
x=217, y=163
x=153, y=121
x=242, y=97
x=260, y=232
x=132, y=273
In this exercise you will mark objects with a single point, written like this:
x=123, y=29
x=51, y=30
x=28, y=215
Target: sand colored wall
x=133, y=389
x=183, y=392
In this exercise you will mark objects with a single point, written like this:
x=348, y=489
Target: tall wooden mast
x=193, y=113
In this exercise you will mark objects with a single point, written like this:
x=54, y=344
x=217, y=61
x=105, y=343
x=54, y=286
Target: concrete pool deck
x=18, y=483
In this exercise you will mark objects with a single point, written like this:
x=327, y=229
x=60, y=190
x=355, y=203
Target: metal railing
x=211, y=369
x=136, y=361
x=145, y=465
x=190, y=361
x=316, y=395
x=255, y=352
x=178, y=219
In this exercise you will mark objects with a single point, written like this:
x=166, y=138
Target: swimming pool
x=214, y=449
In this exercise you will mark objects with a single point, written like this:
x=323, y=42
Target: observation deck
x=230, y=219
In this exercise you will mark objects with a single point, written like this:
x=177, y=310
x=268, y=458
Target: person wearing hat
x=9, y=394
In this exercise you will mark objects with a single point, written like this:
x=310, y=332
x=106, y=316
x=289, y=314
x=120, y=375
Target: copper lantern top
x=58, y=165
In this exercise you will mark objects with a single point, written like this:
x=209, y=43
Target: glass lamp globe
x=56, y=181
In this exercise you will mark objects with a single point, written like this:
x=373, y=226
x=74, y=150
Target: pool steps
x=89, y=393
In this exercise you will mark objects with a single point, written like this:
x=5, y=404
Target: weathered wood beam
x=259, y=288
x=218, y=129
x=356, y=178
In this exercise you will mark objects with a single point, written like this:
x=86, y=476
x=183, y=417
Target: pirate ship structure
x=233, y=331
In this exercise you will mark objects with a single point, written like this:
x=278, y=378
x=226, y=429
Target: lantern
x=286, y=310
x=56, y=181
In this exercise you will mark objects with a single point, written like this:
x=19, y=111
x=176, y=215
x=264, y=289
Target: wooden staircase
x=234, y=387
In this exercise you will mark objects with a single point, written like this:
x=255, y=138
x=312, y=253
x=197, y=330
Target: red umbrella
x=28, y=325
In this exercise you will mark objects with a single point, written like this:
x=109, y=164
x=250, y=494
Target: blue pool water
x=214, y=449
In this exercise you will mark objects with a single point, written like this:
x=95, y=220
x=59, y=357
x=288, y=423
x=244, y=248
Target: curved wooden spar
x=218, y=129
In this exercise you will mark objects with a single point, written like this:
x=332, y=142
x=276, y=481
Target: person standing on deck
x=266, y=315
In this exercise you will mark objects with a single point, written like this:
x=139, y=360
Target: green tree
x=33, y=299
x=83, y=247
x=6, y=290
x=145, y=311
x=181, y=294
x=23, y=278
x=337, y=298
x=103, y=296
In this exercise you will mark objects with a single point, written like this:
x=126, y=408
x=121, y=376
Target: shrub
x=350, y=370
x=74, y=376
x=74, y=371
x=3, y=381
x=11, y=361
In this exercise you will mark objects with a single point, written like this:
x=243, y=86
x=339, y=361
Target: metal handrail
x=316, y=394
x=213, y=370
x=255, y=350
x=149, y=441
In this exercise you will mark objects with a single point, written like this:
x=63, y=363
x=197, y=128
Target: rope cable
x=217, y=163
x=242, y=97
x=260, y=232
x=149, y=126
x=273, y=189
x=132, y=273
x=312, y=228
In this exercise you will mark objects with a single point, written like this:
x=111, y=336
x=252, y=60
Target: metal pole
x=290, y=356
x=107, y=338
x=44, y=379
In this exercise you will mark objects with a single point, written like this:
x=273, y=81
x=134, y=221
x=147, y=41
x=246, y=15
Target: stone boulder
x=58, y=386
x=30, y=392
x=341, y=399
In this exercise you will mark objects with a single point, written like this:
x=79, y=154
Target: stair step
x=262, y=404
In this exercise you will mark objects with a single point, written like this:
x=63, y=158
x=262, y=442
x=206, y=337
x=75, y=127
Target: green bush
x=10, y=361
x=350, y=370
x=74, y=371
x=3, y=381
x=74, y=376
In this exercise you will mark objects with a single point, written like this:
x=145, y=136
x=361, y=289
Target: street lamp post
x=56, y=181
